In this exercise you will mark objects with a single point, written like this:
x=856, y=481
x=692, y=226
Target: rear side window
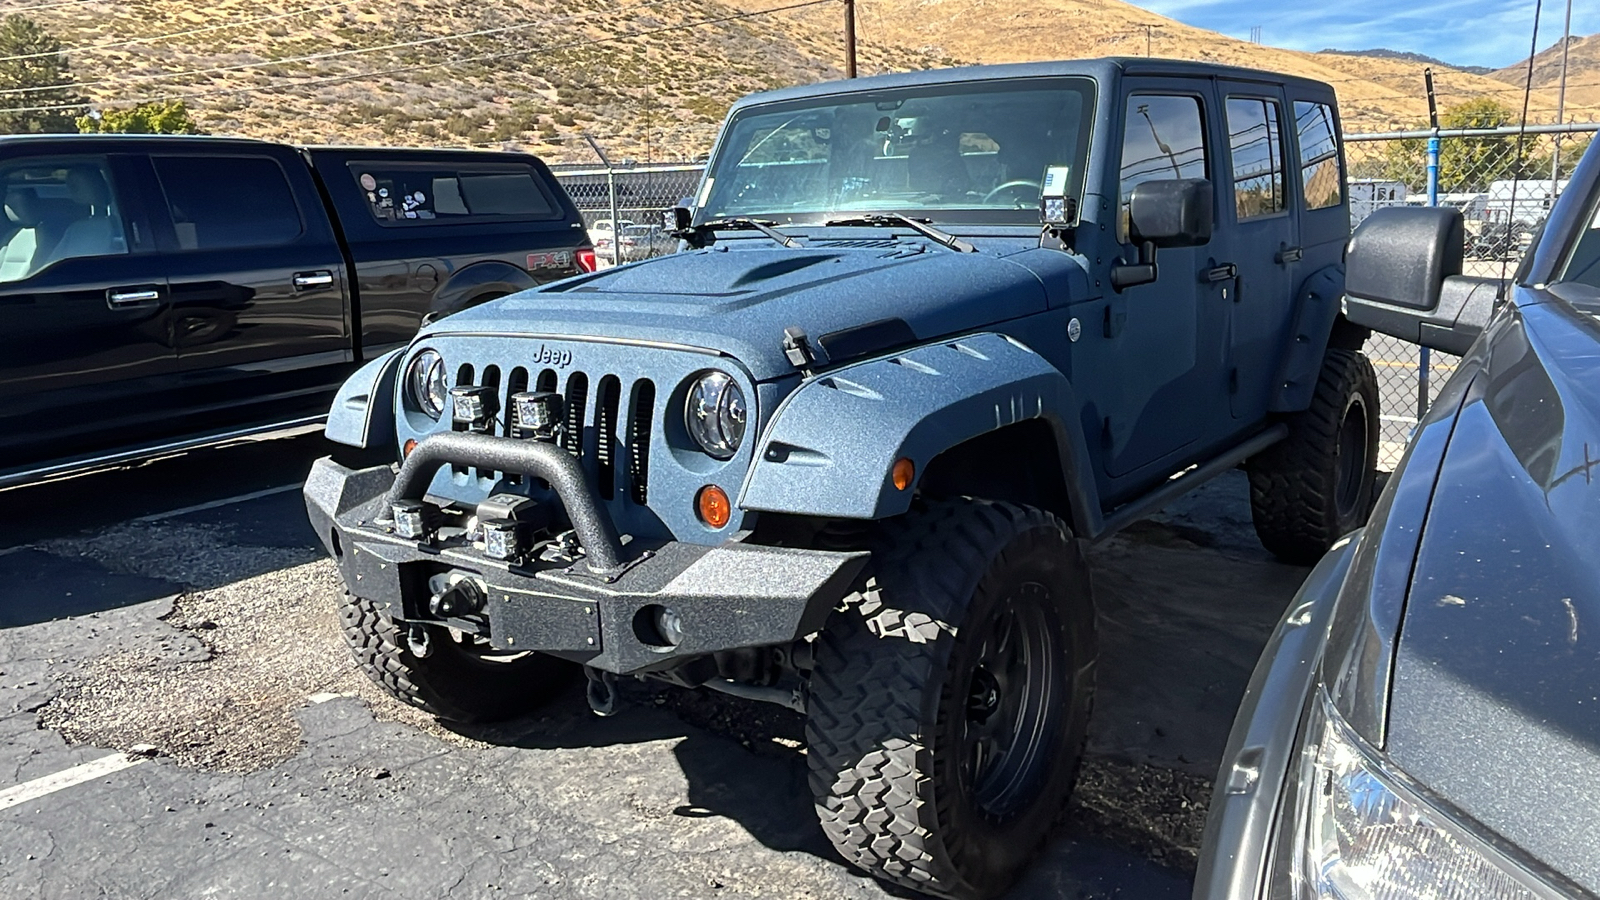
x=1257, y=151
x=426, y=193
x=1319, y=154
x=228, y=202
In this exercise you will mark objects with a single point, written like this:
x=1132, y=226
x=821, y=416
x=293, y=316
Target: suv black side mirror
x=1172, y=213
x=676, y=219
x=1403, y=278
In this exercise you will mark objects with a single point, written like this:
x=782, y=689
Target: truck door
x=85, y=356
x=1262, y=240
x=257, y=279
x=1168, y=337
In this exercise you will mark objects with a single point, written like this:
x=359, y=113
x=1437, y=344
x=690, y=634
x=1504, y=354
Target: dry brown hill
x=1583, y=71
x=647, y=78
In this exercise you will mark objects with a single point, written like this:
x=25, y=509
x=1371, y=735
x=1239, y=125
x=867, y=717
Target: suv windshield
x=949, y=152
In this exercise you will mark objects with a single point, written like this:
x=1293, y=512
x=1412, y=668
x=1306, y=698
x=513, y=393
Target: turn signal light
x=712, y=505
x=903, y=473
x=411, y=444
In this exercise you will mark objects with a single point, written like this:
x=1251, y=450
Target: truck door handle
x=305, y=281
x=120, y=298
x=1287, y=255
x=1224, y=272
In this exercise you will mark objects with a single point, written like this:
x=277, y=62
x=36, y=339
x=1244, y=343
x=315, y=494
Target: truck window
x=1257, y=150
x=1320, y=182
x=1163, y=138
x=228, y=202
x=416, y=193
x=57, y=208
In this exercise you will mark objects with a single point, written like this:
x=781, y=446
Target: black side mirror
x=1403, y=278
x=1172, y=213
x=677, y=219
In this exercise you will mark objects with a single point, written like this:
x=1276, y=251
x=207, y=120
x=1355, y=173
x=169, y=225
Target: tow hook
x=602, y=692
x=419, y=642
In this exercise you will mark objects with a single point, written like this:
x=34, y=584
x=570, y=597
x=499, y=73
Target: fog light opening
x=658, y=627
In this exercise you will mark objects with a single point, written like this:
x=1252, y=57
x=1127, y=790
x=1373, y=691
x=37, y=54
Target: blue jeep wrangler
x=930, y=333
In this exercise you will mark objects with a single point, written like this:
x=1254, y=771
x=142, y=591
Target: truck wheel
x=950, y=698
x=1315, y=486
x=458, y=679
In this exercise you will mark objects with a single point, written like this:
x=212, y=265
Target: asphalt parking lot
x=179, y=718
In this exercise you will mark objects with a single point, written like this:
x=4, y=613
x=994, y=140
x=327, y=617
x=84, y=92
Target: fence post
x=611, y=191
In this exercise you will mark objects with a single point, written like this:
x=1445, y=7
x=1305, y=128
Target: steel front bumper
x=599, y=608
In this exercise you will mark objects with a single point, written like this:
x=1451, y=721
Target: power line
x=499, y=55
x=84, y=48
x=18, y=9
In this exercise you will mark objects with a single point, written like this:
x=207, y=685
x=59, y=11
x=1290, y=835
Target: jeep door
x=86, y=360
x=1165, y=340
x=258, y=294
x=1259, y=218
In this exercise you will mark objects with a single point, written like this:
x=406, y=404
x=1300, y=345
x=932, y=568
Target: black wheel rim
x=1351, y=464
x=1011, y=705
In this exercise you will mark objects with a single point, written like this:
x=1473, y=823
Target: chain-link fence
x=1503, y=191
x=635, y=198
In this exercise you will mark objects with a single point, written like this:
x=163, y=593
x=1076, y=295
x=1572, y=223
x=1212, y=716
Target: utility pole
x=1561, y=104
x=1149, y=34
x=849, y=38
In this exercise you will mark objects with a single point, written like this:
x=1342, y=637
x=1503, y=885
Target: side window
x=1163, y=138
x=1320, y=181
x=1584, y=265
x=1257, y=151
x=411, y=193
x=57, y=208
x=228, y=202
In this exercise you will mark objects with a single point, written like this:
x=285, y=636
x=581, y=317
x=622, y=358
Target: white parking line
x=49, y=784
x=225, y=501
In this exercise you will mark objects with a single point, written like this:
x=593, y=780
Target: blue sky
x=1465, y=32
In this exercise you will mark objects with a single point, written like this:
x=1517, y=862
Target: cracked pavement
x=279, y=770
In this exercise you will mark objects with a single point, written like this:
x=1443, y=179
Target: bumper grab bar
x=595, y=530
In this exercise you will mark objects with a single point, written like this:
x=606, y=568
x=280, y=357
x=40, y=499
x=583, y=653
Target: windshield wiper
x=920, y=226
x=735, y=224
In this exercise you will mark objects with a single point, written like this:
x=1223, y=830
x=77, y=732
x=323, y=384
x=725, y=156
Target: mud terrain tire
x=950, y=698
x=1316, y=485
x=455, y=681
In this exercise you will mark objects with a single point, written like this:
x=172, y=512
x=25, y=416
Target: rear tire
x=1316, y=485
x=950, y=698
x=457, y=680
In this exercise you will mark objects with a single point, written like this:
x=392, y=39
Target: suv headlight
x=715, y=414
x=1365, y=835
x=425, y=383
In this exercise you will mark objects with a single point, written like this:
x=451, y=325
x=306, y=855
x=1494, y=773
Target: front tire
x=459, y=679
x=1315, y=486
x=950, y=698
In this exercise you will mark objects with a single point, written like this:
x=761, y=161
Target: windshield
x=948, y=153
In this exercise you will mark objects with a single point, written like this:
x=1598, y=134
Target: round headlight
x=715, y=414
x=425, y=383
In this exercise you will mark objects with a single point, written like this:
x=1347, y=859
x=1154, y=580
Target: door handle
x=125, y=297
x=1224, y=272
x=1287, y=255
x=305, y=281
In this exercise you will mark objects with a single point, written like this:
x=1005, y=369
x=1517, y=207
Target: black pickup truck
x=164, y=292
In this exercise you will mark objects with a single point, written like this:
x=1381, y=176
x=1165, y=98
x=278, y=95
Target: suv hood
x=1496, y=694
x=739, y=301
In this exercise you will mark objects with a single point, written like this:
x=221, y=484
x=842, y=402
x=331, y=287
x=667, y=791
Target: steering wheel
x=1012, y=186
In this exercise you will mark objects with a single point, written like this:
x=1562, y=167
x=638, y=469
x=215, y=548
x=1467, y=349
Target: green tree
x=1465, y=163
x=33, y=74
x=158, y=117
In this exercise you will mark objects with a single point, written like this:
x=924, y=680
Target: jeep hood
x=1496, y=694
x=739, y=301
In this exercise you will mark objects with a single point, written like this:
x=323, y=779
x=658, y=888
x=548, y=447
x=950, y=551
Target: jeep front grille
x=596, y=439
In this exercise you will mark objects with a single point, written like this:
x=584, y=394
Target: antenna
x=1522, y=133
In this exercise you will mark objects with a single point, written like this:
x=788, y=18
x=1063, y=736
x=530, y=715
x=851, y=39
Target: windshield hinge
x=797, y=348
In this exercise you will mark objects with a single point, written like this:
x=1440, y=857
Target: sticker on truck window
x=412, y=192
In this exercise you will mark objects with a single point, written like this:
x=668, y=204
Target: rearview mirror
x=1403, y=278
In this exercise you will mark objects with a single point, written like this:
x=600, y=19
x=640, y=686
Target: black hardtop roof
x=1101, y=69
